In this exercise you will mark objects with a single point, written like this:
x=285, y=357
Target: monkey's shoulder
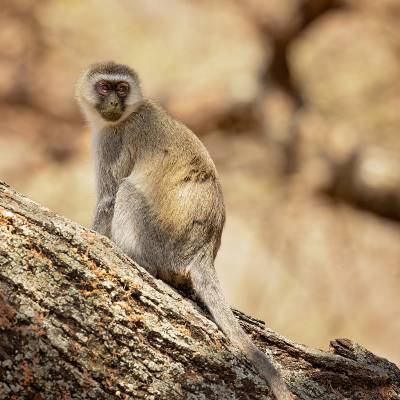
x=169, y=135
x=159, y=122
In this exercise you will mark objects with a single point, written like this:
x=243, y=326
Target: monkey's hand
x=103, y=216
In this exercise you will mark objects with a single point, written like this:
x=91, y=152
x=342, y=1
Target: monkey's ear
x=85, y=92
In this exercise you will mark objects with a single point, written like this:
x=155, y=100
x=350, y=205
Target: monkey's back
x=177, y=179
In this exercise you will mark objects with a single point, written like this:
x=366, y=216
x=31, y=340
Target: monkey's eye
x=103, y=88
x=122, y=89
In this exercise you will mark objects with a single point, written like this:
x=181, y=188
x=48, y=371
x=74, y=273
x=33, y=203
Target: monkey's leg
x=103, y=216
x=130, y=227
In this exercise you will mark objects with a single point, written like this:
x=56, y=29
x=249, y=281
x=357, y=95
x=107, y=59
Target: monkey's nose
x=114, y=103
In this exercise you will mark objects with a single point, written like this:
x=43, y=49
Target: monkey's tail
x=206, y=285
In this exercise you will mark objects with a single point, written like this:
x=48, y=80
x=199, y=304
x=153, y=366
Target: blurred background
x=297, y=102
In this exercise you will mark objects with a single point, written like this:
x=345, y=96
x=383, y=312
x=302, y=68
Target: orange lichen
x=66, y=394
x=39, y=331
x=94, y=292
x=218, y=344
x=100, y=273
x=88, y=379
x=135, y=318
x=31, y=329
x=38, y=254
x=5, y=223
x=28, y=376
x=183, y=329
x=76, y=346
x=40, y=318
x=7, y=314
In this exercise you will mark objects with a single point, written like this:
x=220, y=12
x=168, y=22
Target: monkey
x=159, y=197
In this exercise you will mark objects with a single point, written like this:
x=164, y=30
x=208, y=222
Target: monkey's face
x=111, y=98
x=108, y=93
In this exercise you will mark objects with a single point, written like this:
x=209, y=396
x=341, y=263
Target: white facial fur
x=87, y=97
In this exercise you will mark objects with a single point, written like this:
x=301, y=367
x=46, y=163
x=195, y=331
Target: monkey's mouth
x=111, y=115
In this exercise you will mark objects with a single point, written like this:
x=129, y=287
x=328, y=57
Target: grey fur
x=160, y=200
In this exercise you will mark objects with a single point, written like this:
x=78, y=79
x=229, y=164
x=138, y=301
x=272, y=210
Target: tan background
x=298, y=103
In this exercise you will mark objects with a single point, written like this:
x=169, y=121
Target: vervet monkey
x=158, y=195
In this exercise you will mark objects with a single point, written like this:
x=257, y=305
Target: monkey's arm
x=106, y=192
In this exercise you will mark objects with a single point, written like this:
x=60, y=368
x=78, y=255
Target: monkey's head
x=108, y=92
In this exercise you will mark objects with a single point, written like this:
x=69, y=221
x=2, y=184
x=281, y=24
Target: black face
x=112, y=95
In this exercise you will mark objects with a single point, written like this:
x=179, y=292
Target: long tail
x=206, y=285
